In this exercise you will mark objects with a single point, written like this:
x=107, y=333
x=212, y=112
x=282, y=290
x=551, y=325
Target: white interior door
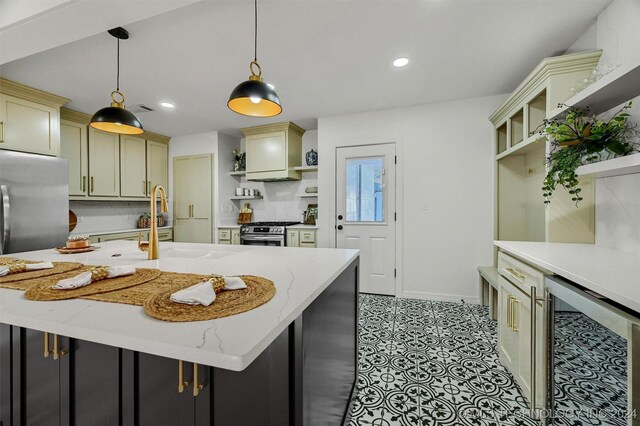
x=365, y=212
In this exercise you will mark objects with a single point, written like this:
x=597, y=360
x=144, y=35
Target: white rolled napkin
x=85, y=278
x=203, y=293
x=4, y=269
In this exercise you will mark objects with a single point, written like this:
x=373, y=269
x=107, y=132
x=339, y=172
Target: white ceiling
x=324, y=57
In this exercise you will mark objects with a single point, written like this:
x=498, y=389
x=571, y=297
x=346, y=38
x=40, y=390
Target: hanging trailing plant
x=579, y=138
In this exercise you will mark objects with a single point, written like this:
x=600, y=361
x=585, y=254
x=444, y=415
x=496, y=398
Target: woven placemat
x=58, y=268
x=25, y=285
x=42, y=290
x=258, y=292
x=167, y=282
x=6, y=260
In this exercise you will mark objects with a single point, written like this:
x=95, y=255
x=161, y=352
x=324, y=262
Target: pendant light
x=254, y=97
x=115, y=118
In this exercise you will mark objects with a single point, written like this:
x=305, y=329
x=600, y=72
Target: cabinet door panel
x=235, y=236
x=157, y=169
x=200, y=231
x=159, y=402
x=267, y=152
x=181, y=189
x=201, y=186
x=133, y=176
x=104, y=163
x=181, y=230
x=507, y=338
x=39, y=400
x=73, y=147
x=293, y=239
x=30, y=127
x=95, y=383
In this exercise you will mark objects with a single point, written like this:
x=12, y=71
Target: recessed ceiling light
x=168, y=105
x=400, y=62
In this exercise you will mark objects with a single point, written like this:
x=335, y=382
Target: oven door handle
x=255, y=238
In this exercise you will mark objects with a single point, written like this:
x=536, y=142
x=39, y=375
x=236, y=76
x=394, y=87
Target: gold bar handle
x=182, y=383
x=532, y=400
x=84, y=183
x=144, y=187
x=46, y=345
x=513, y=315
x=516, y=273
x=197, y=387
x=149, y=187
x=509, y=311
x=91, y=183
x=56, y=353
x=2, y=140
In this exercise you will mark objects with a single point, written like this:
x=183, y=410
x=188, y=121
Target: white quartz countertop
x=302, y=226
x=614, y=274
x=299, y=275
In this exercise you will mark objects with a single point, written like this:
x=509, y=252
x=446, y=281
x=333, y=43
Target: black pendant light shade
x=254, y=97
x=115, y=118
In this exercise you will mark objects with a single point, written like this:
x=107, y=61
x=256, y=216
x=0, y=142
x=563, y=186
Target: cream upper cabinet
x=192, y=195
x=133, y=181
x=29, y=126
x=273, y=151
x=104, y=164
x=157, y=165
x=74, y=147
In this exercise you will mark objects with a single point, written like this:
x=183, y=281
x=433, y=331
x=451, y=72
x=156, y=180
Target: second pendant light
x=254, y=97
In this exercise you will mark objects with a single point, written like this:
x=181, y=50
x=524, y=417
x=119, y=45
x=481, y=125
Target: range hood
x=273, y=150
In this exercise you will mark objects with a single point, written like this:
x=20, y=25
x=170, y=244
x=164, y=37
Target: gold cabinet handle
x=197, y=387
x=91, y=183
x=84, y=183
x=58, y=353
x=509, y=311
x=2, y=140
x=182, y=383
x=144, y=187
x=513, y=315
x=46, y=345
x=516, y=273
x=149, y=187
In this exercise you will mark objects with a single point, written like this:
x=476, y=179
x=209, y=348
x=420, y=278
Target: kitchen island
x=290, y=361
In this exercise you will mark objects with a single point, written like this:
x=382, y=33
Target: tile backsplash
x=104, y=216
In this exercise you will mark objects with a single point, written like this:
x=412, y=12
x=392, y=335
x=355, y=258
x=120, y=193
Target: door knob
x=339, y=217
x=340, y=227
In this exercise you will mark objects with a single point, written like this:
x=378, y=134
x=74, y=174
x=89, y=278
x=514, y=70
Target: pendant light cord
x=118, y=72
x=255, y=32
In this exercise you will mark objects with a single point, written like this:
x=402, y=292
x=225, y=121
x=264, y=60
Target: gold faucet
x=152, y=245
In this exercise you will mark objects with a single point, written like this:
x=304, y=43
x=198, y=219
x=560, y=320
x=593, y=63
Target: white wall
x=617, y=33
x=445, y=160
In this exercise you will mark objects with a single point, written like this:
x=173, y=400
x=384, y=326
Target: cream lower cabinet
x=229, y=236
x=192, y=195
x=133, y=167
x=515, y=334
x=29, y=126
x=104, y=164
x=163, y=235
x=301, y=238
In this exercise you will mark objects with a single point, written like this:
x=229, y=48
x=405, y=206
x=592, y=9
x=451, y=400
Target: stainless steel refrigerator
x=34, y=202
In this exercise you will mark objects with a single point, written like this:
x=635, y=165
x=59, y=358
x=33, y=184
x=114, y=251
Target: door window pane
x=364, y=198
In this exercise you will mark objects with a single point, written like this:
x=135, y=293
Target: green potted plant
x=579, y=137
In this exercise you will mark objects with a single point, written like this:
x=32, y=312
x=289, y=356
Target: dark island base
x=305, y=377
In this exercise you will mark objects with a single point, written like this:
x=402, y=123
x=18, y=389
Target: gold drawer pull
x=197, y=387
x=182, y=383
x=509, y=311
x=46, y=345
x=92, y=184
x=56, y=353
x=2, y=140
x=516, y=273
x=513, y=315
x=84, y=183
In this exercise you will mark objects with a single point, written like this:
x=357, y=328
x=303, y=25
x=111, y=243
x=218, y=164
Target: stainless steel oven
x=265, y=234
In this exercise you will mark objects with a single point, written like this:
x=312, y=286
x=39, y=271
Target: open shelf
x=306, y=168
x=614, y=167
x=246, y=197
x=240, y=173
x=611, y=90
x=308, y=195
x=528, y=145
x=501, y=138
x=517, y=128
